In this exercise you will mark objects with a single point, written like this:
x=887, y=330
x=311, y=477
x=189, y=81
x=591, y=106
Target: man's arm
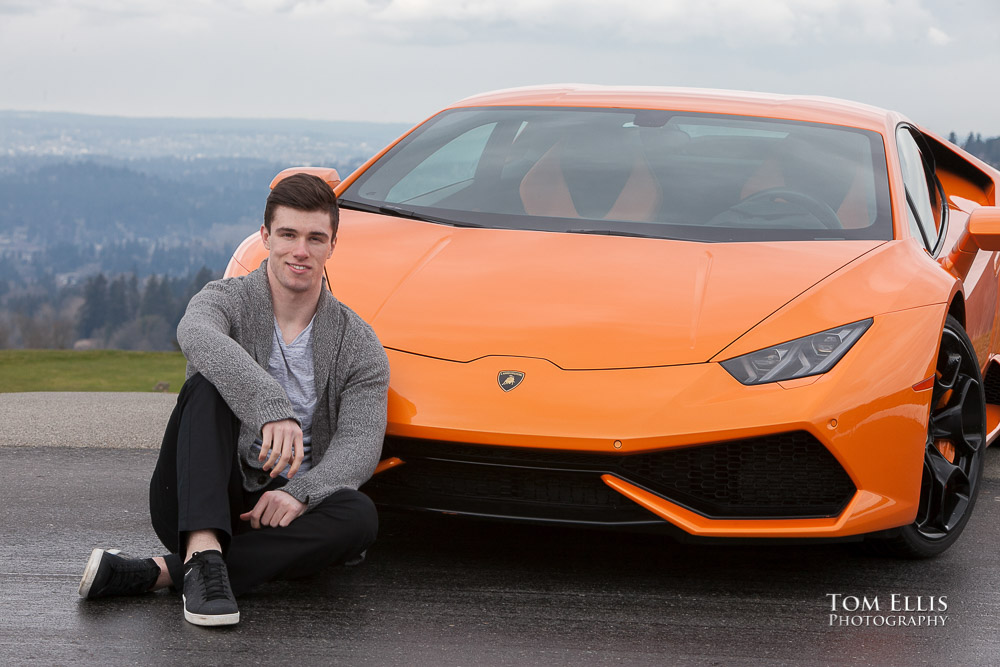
x=204, y=335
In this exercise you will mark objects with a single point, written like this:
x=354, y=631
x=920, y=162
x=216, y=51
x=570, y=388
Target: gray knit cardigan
x=226, y=335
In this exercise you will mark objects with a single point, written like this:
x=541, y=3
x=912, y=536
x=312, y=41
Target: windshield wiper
x=386, y=209
x=614, y=232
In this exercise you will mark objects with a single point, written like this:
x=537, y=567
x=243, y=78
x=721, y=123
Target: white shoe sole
x=210, y=619
x=93, y=564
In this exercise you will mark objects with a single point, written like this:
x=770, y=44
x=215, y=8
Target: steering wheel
x=814, y=207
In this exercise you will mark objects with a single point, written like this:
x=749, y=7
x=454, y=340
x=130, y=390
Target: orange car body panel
x=617, y=336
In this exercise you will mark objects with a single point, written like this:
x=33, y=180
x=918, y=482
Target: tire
x=952, y=475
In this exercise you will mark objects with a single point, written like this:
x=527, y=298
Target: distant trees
x=37, y=315
x=121, y=313
x=123, y=295
x=118, y=315
x=987, y=150
x=94, y=313
x=47, y=328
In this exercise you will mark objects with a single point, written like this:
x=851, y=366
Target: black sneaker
x=208, y=599
x=109, y=573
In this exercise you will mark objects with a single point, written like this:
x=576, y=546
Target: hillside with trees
x=109, y=225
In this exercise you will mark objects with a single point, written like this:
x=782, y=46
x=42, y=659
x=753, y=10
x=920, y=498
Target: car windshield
x=662, y=174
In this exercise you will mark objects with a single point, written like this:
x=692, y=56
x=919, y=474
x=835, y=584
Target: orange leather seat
x=545, y=190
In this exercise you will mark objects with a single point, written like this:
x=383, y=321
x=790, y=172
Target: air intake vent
x=789, y=475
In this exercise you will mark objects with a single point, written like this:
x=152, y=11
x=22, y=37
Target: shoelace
x=215, y=579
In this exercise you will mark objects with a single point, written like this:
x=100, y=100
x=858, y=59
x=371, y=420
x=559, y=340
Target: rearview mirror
x=328, y=174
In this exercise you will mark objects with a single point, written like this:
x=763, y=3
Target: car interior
x=615, y=170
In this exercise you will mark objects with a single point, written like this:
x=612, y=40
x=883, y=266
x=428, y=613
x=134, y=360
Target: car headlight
x=809, y=355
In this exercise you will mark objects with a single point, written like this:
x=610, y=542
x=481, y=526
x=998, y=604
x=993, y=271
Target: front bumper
x=829, y=456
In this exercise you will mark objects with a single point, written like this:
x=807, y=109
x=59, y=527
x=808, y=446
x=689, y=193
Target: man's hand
x=275, y=508
x=281, y=444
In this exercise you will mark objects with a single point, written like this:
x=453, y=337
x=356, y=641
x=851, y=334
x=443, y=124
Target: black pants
x=197, y=485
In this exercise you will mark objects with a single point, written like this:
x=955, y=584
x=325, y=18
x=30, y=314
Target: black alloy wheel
x=953, y=454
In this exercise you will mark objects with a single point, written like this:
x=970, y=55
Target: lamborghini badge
x=509, y=379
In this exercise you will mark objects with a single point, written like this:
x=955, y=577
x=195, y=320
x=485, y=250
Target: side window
x=444, y=171
x=925, y=209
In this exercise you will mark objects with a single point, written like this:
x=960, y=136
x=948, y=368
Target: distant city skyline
x=401, y=60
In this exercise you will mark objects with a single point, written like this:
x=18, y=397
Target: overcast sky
x=937, y=61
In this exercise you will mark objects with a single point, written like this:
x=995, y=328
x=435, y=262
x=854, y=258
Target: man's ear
x=265, y=237
x=333, y=244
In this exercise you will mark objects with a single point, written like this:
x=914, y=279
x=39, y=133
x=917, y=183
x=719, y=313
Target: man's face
x=300, y=243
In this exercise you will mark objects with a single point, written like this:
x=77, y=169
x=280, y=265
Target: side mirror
x=984, y=227
x=328, y=174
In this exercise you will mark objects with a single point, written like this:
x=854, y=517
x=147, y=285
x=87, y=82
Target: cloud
x=402, y=59
x=11, y=7
x=937, y=37
x=761, y=22
x=599, y=23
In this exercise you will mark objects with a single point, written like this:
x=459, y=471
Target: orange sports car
x=733, y=315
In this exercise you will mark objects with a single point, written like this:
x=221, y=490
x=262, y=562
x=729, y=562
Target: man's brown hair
x=303, y=192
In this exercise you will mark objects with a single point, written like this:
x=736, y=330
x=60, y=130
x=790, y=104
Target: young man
x=280, y=420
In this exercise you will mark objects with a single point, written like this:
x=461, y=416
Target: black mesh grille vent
x=991, y=384
x=785, y=475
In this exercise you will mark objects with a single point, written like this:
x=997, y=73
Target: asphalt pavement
x=123, y=420
x=439, y=590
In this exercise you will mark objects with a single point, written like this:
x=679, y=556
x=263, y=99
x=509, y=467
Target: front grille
x=789, y=475
x=525, y=493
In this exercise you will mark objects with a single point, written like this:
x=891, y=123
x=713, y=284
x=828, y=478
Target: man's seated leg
x=193, y=490
x=195, y=483
x=197, y=476
x=336, y=530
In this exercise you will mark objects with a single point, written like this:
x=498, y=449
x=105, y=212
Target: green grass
x=91, y=370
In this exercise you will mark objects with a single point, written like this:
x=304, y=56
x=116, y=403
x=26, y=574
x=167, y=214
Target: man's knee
x=198, y=387
x=355, y=519
x=200, y=399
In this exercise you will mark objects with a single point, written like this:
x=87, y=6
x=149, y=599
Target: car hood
x=578, y=301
